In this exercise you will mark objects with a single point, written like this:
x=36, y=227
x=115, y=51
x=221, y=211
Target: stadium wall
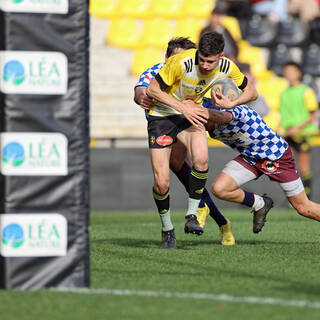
x=44, y=96
x=121, y=179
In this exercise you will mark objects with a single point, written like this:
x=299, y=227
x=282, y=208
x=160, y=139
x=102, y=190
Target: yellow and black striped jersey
x=181, y=78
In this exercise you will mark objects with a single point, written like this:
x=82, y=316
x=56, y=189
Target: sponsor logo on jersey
x=164, y=140
x=270, y=166
x=152, y=140
x=201, y=83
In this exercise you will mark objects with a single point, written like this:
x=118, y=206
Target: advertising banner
x=35, y=6
x=33, y=235
x=44, y=144
x=33, y=72
x=33, y=154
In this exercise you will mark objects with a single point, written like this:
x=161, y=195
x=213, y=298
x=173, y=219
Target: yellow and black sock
x=163, y=204
x=197, y=182
x=162, y=201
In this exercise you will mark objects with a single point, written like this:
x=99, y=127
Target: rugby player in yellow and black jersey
x=178, y=89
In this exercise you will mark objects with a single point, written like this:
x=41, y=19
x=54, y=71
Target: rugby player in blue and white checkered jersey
x=262, y=151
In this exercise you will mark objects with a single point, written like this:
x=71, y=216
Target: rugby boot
x=192, y=225
x=259, y=216
x=168, y=239
x=202, y=214
x=227, y=238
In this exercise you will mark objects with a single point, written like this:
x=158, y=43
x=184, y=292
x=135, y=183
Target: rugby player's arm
x=141, y=98
x=217, y=117
x=249, y=93
x=194, y=113
x=139, y=92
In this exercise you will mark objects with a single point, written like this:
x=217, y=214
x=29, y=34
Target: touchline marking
x=199, y=296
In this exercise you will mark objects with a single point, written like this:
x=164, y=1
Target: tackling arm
x=193, y=112
x=141, y=98
x=217, y=117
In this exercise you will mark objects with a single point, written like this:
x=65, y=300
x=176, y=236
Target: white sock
x=258, y=202
x=193, y=206
x=166, y=221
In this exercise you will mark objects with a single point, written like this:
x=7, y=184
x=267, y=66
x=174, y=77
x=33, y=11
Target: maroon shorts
x=283, y=170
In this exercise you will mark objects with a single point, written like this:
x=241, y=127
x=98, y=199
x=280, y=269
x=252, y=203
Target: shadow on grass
x=185, y=244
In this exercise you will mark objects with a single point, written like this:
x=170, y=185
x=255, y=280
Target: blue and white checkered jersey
x=250, y=135
x=148, y=75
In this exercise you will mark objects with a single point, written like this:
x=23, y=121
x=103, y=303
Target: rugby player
x=262, y=151
x=178, y=158
x=178, y=90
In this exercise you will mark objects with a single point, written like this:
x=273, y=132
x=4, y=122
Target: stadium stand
x=137, y=32
x=124, y=33
x=292, y=33
x=311, y=60
x=259, y=32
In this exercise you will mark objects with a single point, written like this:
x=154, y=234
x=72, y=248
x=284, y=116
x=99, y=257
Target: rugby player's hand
x=146, y=103
x=221, y=101
x=195, y=114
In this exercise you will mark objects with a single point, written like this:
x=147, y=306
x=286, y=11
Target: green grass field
x=138, y=280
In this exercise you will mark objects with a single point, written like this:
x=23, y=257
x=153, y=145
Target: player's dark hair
x=211, y=43
x=180, y=42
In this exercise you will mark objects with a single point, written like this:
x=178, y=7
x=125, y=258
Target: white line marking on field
x=199, y=296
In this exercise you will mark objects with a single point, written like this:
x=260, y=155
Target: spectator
x=298, y=105
x=307, y=10
x=231, y=49
x=240, y=9
x=275, y=10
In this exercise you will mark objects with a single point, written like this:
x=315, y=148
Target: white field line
x=197, y=296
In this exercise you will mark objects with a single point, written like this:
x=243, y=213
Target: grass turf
x=281, y=262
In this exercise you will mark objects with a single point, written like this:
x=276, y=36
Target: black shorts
x=299, y=144
x=163, y=131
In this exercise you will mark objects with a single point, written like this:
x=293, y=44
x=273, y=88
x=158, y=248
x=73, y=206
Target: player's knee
x=218, y=189
x=200, y=163
x=161, y=185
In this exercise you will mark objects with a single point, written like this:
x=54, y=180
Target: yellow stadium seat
x=104, y=8
x=233, y=26
x=254, y=56
x=198, y=8
x=145, y=58
x=271, y=89
x=135, y=8
x=157, y=32
x=168, y=8
x=189, y=27
x=124, y=33
x=273, y=119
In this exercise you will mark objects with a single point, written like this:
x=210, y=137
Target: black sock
x=183, y=175
x=197, y=182
x=162, y=201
